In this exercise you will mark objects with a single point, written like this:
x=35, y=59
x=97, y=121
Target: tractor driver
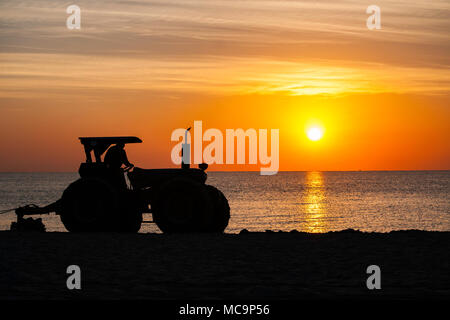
x=116, y=157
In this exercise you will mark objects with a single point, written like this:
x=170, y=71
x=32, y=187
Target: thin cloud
x=297, y=47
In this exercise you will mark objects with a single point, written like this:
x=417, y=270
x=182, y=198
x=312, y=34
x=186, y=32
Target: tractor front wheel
x=181, y=206
x=221, y=210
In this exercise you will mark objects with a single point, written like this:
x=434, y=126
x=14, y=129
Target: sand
x=271, y=265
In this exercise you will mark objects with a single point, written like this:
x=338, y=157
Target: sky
x=146, y=68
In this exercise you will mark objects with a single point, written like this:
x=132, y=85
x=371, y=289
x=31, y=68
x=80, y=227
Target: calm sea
x=306, y=201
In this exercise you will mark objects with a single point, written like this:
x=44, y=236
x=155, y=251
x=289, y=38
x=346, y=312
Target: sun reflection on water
x=314, y=200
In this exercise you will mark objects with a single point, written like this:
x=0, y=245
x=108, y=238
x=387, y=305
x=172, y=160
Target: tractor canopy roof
x=110, y=140
x=100, y=144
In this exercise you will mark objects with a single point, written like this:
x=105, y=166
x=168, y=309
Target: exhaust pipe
x=186, y=152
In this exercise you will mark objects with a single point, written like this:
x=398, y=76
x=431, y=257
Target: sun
x=314, y=133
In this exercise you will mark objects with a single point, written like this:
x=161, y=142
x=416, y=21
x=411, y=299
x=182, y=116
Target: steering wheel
x=127, y=169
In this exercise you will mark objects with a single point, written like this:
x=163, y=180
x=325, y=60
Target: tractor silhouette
x=101, y=200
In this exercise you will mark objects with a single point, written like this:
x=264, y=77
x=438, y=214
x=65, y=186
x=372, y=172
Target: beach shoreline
x=268, y=265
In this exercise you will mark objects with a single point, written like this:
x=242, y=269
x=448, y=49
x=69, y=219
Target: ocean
x=372, y=201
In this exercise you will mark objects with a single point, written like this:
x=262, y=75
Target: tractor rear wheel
x=182, y=205
x=89, y=204
x=92, y=205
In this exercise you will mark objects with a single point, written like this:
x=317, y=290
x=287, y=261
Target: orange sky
x=149, y=67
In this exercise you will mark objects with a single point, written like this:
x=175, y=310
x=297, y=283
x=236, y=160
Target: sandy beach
x=270, y=265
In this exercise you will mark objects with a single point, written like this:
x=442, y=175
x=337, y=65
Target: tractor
x=101, y=200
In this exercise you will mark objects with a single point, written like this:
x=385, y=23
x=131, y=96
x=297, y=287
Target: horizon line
x=257, y=171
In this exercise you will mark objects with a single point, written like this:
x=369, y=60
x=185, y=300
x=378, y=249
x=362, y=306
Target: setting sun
x=314, y=133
